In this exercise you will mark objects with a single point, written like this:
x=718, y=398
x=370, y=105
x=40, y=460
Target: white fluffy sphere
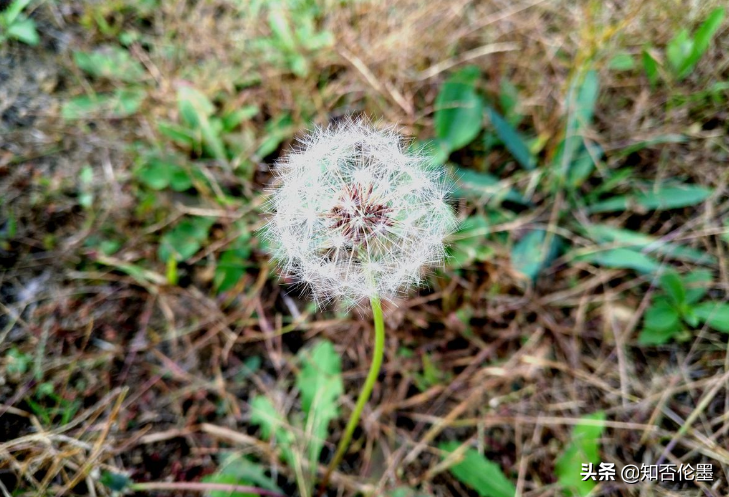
x=356, y=215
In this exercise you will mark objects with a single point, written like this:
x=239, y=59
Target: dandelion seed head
x=356, y=215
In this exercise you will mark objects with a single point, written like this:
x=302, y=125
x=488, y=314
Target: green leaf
x=622, y=62
x=469, y=242
x=583, y=448
x=650, y=142
x=678, y=50
x=12, y=11
x=662, y=198
x=276, y=131
x=661, y=315
x=112, y=62
x=652, y=336
x=459, y=109
x=482, y=475
x=183, y=136
x=581, y=100
x=121, y=103
x=321, y=386
x=273, y=425
x=115, y=481
x=196, y=110
x=621, y=258
x=232, y=264
x=155, y=174
x=651, y=68
x=509, y=100
x=185, y=239
x=602, y=233
x=236, y=469
x=701, y=41
x=159, y=172
x=583, y=164
x=23, y=29
x=320, y=377
x=529, y=255
x=512, y=140
x=697, y=283
x=233, y=119
x=281, y=29
x=715, y=314
x=483, y=187
x=673, y=286
x=17, y=362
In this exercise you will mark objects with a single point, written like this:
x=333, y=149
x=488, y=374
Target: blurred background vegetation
x=145, y=338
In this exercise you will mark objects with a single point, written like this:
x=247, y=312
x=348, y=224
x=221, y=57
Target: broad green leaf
x=581, y=99
x=621, y=258
x=121, y=103
x=509, y=100
x=276, y=131
x=622, y=62
x=155, y=174
x=321, y=386
x=183, y=136
x=116, y=482
x=650, y=142
x=23, y=29
x=236, y=469
x=110, y=62
x=583, y=164
x=233, y=119
x=273, y=425
x=185, y=239
x=701, y=41
x=484, y=186
x=602, y=233
x=678, y=50
x=482, y=475
x=320, y=377
x=232, y=264
x=529, y=255
x=672, y=197
x=661, y=315
x=697, y=283
x=281, y=29
x=663, y=198
x=469, y=243
x=512, y=140
x=587, y=94
x=715, y=314
x=673, y=286
x=159, y=172
x=583, y=448
x=651, y=67
x=196, y=110
x=655, y=336
x=12, y=11
x=459, y=109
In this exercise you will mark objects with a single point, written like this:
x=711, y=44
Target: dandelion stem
x=364, y=395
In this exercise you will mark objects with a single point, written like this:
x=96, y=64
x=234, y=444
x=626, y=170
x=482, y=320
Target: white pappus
x=356, y=215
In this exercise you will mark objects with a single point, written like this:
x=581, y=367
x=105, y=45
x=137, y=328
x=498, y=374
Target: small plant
x=679, y=307
x=356, y=218
x=685, y=50
x=14, y=25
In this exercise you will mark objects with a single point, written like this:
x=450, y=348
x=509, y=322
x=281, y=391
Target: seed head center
x=359, y=214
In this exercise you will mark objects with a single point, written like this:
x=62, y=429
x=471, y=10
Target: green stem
x=364, y=395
